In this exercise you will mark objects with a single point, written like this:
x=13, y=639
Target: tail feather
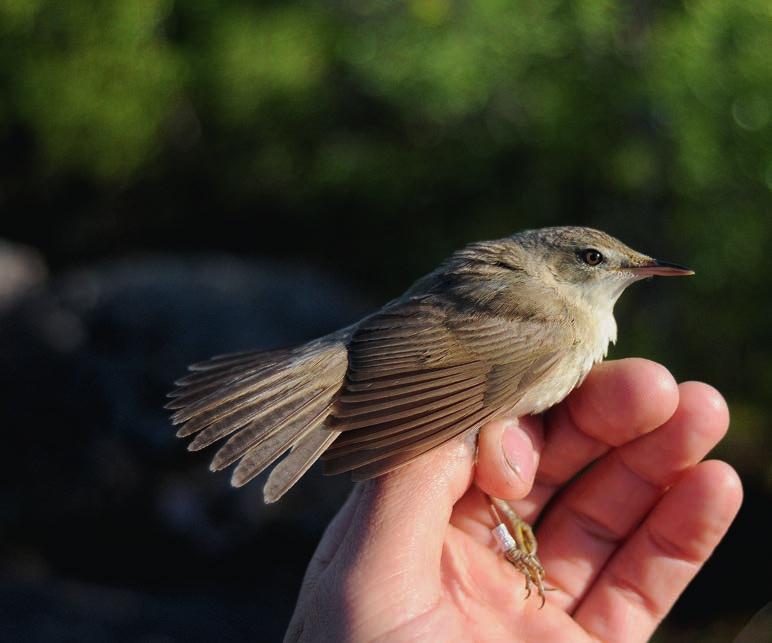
x=229, y=360
x=252, y=413
x=267, y=403
x=258, y=431
x=186, y=394
x=234, y=392
x=200, y=387
x=245, y=408
x=217, y=377
x=225, y=372
x=259, y=457
x=289, y=471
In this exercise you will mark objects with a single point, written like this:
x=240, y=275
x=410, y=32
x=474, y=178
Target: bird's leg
x=518, y=543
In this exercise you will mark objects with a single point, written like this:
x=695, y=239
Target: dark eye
x=592, y=257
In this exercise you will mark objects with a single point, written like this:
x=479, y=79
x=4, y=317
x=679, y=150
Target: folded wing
x=420, y=374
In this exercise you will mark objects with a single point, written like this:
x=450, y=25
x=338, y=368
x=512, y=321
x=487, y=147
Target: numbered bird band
x=503, y=538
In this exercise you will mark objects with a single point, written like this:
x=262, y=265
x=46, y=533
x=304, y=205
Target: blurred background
x=179, y=179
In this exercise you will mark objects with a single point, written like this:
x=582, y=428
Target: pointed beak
x=660, y=268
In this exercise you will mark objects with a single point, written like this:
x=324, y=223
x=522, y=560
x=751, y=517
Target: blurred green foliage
x=665, y=107
x=677, y=95
x=472, y=117
x=93, y=81
x=379, y=135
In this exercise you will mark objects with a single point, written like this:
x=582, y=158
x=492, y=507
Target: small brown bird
x=501, y=327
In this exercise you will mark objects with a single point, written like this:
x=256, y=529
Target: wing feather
x=403, y=379
x=432, y=423
x=419, y=376
x=422, y=399
x=412, y=411
x=380, y=431
x=398, y=388
x=372, y=463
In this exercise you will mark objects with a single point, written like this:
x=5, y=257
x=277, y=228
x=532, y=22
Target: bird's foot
x=518, y=543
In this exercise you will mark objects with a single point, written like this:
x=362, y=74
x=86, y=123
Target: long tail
x=265, y=403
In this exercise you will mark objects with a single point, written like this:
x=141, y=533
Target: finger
x=395, y=537
x=626, y=398
x=330, y=544
x=645, y=577
x=618, y=402
x=598, y=512
x=472, y=515
x=508, y=456
x=317, y=576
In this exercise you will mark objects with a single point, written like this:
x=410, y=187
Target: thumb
x=378, y=564
x=398, y=528
x=508, y=456
x=404, y=515
x=392, y=549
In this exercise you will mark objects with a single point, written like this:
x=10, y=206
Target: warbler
x=509, y=326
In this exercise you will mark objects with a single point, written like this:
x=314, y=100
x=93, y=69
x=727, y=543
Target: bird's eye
x=592, y=257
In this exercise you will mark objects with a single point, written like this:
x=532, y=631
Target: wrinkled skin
x=410, y=555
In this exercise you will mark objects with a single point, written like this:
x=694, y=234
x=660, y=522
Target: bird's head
x=588, y=264
x=535, y=272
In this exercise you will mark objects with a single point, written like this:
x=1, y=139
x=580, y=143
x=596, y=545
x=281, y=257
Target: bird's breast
x=572, y=367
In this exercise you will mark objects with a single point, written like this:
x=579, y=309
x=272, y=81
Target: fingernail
x=518, y=451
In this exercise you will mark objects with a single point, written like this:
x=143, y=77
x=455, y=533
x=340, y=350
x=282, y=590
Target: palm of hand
x=482, y=598
x=410, y=555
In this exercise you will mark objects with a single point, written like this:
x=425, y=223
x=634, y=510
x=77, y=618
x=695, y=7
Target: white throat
x=598, y=299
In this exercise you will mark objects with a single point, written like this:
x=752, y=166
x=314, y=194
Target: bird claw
x=531, y=568
x=518, y=544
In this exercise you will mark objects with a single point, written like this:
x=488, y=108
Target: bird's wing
x=421, y=373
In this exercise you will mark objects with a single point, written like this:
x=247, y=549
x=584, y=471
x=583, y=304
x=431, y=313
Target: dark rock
x=97, y=488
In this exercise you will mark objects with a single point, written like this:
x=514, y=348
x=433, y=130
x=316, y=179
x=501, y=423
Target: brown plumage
x=506, y=326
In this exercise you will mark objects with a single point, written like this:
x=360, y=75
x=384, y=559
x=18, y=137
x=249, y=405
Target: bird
x=503, y=327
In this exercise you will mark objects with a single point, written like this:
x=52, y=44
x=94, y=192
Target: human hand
x=410, y=555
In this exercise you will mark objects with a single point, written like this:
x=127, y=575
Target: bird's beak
x=660, y=268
